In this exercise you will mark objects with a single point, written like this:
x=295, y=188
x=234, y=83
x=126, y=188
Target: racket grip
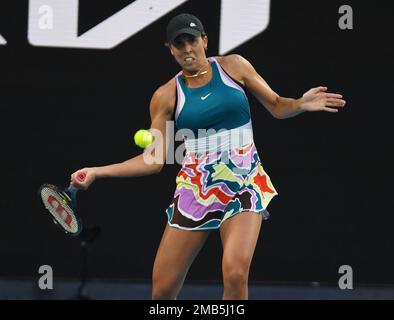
x=72, y=190
x=81, y=176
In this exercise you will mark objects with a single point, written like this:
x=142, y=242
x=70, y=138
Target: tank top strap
x=225, y=77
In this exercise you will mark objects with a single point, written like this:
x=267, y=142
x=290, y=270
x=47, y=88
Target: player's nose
x=187, y=47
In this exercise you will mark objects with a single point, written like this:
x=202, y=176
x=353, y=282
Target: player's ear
x=205, y=39
x=169, y=47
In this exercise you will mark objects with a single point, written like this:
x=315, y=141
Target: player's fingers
x=72, y=183
x=330, y=110
x=315, y=90
x=334, y=95
x=335, y=103
x=75, y=181
x=78, y=185
x=321, y=89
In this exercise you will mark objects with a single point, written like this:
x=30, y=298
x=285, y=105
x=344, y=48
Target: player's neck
x=199, y=77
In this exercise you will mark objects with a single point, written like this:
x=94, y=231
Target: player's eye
x=178, y=44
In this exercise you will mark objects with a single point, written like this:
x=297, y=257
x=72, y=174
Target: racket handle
x=81, y=176
x=72, y=190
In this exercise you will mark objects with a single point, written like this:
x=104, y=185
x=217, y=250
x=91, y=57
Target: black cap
x=184, y=23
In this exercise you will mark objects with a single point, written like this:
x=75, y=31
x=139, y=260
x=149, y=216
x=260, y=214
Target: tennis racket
x=62, y=205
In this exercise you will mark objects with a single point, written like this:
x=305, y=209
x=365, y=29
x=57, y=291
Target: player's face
x=189, y=51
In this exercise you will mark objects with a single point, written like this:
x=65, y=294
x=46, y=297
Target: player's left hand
x=318, y=99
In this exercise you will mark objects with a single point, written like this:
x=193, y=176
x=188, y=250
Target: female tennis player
x=221, y=185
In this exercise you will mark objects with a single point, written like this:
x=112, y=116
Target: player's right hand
x=83, y=178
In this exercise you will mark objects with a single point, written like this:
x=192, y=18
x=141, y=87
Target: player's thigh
x=239, y=236
x=176, y=252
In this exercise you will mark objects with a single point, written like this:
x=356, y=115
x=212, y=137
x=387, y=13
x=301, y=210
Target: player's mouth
x=189, y=60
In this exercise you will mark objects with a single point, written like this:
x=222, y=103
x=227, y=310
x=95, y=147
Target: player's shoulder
x=236, y=66
x=166, y=91
x=232, y=60
x=164, y=96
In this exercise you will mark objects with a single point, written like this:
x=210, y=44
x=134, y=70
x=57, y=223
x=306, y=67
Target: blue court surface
x=129, y=290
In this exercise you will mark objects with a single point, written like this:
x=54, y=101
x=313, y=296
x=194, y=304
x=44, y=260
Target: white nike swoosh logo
x=204, y=97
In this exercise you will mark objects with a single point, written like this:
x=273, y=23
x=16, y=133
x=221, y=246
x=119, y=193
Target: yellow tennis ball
x=143, y=138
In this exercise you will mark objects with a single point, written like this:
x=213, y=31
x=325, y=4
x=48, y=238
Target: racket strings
x=57, y=203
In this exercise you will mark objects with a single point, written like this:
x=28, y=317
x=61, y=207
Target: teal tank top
x=220, y=104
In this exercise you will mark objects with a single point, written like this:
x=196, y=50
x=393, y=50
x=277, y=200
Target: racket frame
x=71, y=194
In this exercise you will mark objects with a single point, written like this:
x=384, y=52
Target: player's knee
x=235, y=278
x=162, y=289
x=163, y=292
x=236, y=275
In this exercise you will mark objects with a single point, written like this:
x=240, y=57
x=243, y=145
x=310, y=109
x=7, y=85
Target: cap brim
x=191, y=31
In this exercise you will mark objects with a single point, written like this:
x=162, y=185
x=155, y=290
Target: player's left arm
x=316, y=99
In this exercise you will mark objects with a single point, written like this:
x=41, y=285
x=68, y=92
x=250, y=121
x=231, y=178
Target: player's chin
x=190, y=67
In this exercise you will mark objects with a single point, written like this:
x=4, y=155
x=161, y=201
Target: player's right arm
x=161, y=109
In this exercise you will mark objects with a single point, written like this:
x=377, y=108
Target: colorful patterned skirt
x=215, y=186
